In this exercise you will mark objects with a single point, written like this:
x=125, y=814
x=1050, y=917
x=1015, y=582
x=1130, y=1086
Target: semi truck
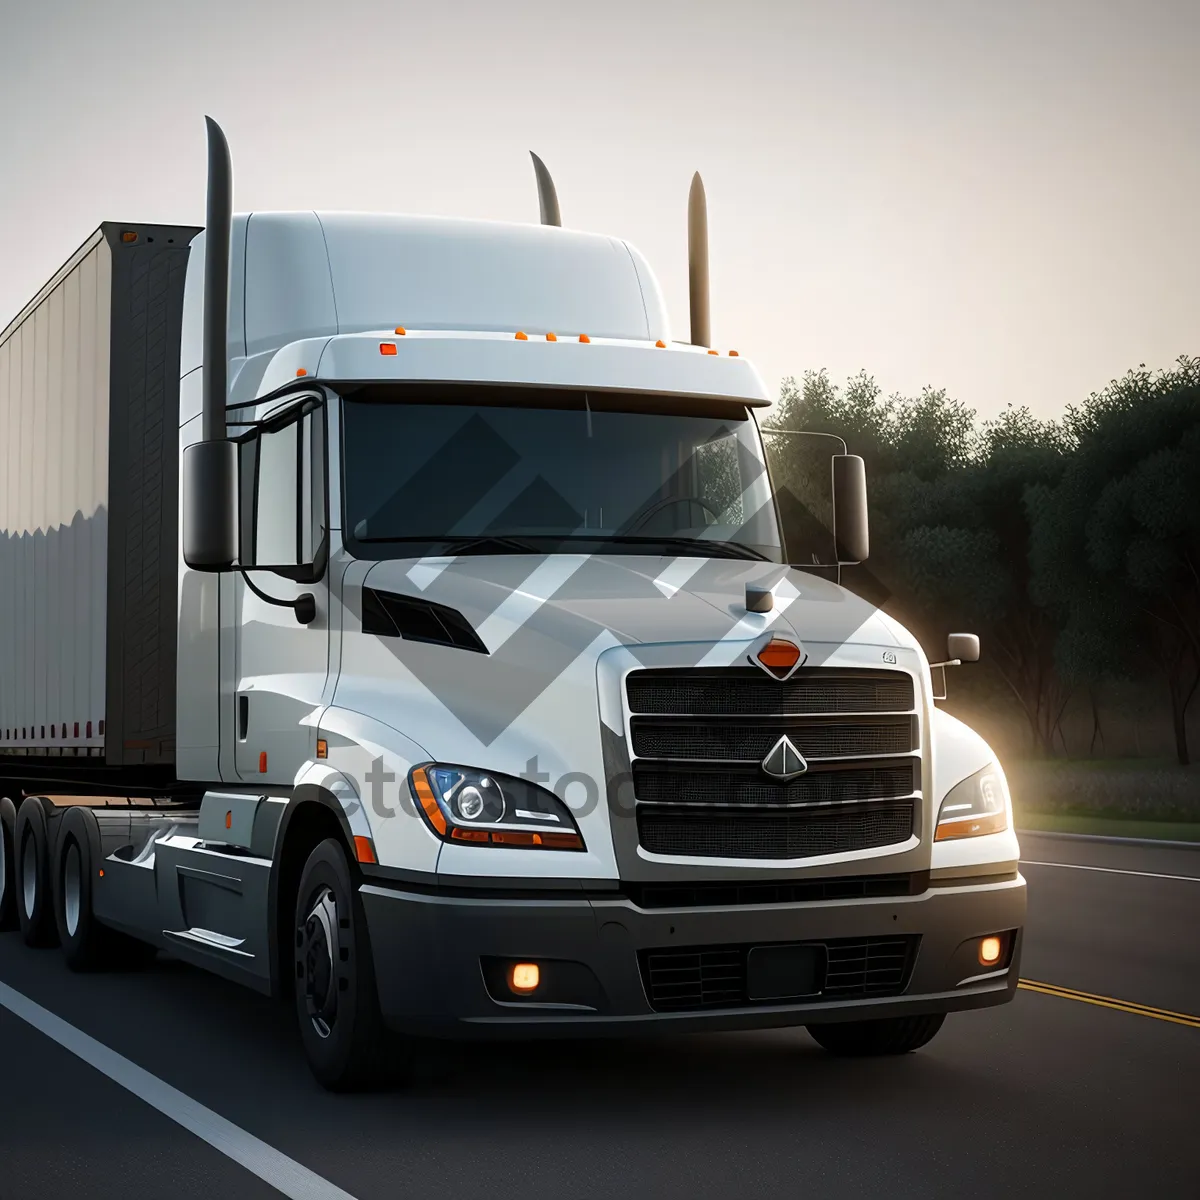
x=395, y=619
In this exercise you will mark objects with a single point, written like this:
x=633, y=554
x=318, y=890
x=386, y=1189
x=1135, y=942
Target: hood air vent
x=385, y=614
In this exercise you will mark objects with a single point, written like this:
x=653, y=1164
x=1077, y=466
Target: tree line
x=1072, y=546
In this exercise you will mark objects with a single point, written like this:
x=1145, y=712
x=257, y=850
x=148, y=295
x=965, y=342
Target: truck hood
x=546, y=619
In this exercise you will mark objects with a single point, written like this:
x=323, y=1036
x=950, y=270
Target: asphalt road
x=1047, y=1096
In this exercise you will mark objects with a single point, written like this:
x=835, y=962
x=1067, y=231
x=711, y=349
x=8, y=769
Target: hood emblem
x=784, y=761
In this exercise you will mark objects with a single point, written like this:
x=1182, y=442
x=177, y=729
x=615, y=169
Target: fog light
x=990, y=950
x=524, y=978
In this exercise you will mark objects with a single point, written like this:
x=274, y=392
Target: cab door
x=280, y=663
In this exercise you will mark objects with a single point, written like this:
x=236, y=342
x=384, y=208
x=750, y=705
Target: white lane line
x=270, y=1165
x=1027, y=862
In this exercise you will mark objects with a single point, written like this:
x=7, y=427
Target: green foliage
x=1072, y=546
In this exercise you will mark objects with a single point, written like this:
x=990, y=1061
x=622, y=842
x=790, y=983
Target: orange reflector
x=322, y=748
x=387, y=347
x=428, y=802
x=583, y=337
x=229, y=819
x=262, y=762
x=661, y=345
x=552, y=337
x=363, y=850
x=990, y=950
x=524, y=978
x=300, y=371
x=521, y=337
x=779, y=655
x=400, y=331
x=971, y=827
x=129, y=237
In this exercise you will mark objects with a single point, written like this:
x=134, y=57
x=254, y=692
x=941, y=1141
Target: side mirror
x=850, y=536
x=210, y=472
x=963, y=646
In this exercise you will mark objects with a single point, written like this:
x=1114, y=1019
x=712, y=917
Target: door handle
x=243, y=717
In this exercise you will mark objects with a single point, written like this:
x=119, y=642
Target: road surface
x=1083, y=1091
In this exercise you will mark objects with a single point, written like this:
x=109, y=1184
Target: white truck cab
x=499, y=707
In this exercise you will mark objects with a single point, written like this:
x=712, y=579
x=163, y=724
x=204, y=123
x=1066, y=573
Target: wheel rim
x=319, y=950
x=72, y=888
x=29, y=875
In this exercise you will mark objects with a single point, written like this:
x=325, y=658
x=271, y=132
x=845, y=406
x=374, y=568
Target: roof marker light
x=661, y=345
x=521, y=337
x=714, y=352
x=733, y=354
x=552, y=337
x=583, y=337
x=128, y=237
x=401, y=331
x=387, y=347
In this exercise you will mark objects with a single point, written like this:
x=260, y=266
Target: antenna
x=547, y=196
x=218, y=235
x=698, y=262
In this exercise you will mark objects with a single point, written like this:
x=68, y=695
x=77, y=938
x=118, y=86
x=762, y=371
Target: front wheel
x=891, y=1035
x=337, y=1004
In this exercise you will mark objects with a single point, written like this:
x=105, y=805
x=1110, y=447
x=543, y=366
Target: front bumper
x=432, y=951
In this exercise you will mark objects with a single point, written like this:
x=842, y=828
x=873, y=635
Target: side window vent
x=385, y=614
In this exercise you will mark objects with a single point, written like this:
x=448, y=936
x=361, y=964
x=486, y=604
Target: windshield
x=570, y=470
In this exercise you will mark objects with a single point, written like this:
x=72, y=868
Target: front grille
x=780, y=833
x=752, y=743
x=734, y=893
x=699, y=738
x=747, y=785
x=706, y=977
x=747, y=691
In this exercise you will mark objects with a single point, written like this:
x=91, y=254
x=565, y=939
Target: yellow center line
x=1129, y=1006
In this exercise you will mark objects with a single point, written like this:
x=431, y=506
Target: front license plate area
x=784, y=972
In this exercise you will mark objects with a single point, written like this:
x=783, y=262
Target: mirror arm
x=304, y=606
x=950, y=662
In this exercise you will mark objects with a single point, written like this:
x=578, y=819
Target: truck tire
x=337, y=1004
x=35, y=897
x=890, y=1035
x=87, y=945
x=8, y=868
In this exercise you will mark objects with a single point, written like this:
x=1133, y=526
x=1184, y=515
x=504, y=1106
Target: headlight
x=974, y=807
x=462, y=804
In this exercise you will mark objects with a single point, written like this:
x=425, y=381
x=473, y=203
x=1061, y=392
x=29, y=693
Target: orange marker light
x=387, y=347
x=363, y=850
x=524, y=978
x=583, y=337
x=733, y=354
x=428, y=802
x=101, y=872
x=552, y=337
x=661, y=345
x=262, y=762
x=712, y=352
x=400, y=331
x=300, y=371
x=229, y=819
x=322, y=748
x=521, y=337
x=129, y=237
x=779, y=656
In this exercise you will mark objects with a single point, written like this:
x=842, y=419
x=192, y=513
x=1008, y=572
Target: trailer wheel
x=337, y=1005
x=35, y=900
x=8, y=870
x=890, y=1035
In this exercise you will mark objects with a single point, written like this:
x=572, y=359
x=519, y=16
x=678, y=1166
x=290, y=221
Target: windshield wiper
x=483, y=543
x=703, y=547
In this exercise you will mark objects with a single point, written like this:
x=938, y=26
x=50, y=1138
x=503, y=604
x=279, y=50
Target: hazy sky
x=1001, y=198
